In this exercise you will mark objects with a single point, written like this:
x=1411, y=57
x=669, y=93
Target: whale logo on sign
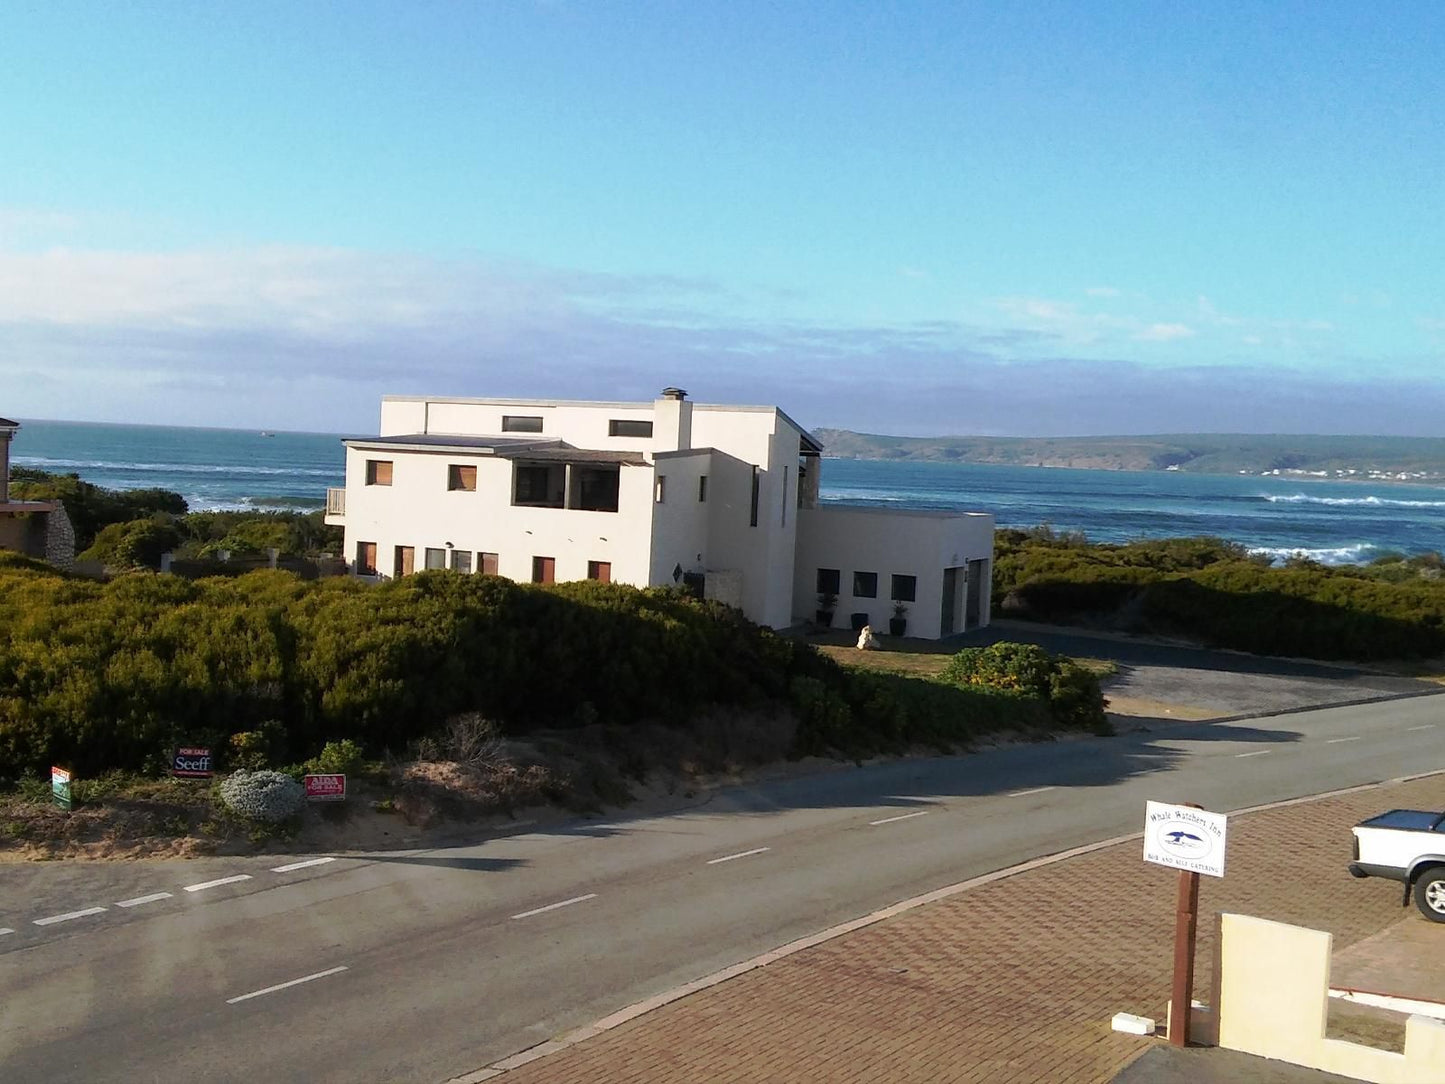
x=1183, y=840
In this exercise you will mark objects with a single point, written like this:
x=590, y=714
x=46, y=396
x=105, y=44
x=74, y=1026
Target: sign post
x=60, y=787
x=1191, y=840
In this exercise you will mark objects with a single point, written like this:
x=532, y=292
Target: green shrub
x=1071, y=692
x=265, y=796
x=338, y=758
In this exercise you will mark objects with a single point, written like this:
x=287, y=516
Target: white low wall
x=889, y=542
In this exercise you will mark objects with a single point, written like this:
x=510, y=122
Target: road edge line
x=677, y=993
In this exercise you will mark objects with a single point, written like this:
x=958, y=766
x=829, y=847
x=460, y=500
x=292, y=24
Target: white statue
x=866, y=640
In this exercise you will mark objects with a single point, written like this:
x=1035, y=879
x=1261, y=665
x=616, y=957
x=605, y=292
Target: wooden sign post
x=1191, y=840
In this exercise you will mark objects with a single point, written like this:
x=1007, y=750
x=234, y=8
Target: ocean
x=1333, y=522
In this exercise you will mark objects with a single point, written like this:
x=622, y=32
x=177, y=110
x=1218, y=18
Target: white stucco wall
x=680, y=522
x=418, y=510
x=885, y=541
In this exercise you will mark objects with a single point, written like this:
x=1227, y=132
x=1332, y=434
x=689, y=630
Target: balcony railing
x=335, y=502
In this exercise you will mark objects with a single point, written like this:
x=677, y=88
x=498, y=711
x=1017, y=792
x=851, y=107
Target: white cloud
x=1102, y=291
x=1163, y=333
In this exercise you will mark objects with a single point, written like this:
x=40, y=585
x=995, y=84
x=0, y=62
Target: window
x=753, y=514
x=544, y=569
x=532, y=485
x=702, y=487
x=462, y=477
x=436, y=558
x=404, y=561
x=461, y=560
x=600, y=570
x=378, y=472
x=865, y=585
x=627, y=427
x=521, y=423
x=905, y=588
x=784, y=521
x=830, y=581
x=366, y=558
x=660, y=489
x=487, y=564
x=597, y=488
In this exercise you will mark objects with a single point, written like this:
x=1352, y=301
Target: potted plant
x=898, y=623
x=827, y=603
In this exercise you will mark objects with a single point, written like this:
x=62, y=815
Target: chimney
x=672, y=421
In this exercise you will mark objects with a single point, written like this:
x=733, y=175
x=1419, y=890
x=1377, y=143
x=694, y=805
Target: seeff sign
x=192, y=762
x=1184, y=838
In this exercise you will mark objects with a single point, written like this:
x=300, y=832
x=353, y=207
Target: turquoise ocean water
x=1336, y=522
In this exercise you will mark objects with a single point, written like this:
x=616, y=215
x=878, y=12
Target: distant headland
x=1378, y=459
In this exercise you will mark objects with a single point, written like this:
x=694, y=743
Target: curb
x=677, y=993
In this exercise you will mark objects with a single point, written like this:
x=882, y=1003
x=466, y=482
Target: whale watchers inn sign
x=1185, y=838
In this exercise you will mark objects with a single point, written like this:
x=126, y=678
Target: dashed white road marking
x=1336, y=741
x=554, y=906
x=902, y=817
x=285, y=985
x=4, y=930
x=1034, y=790
x=144, y=899
x=1427, y=726
x=740, y=854
x=1256, y=753
x=53, y=919
x=218, y=883
x=302, y=865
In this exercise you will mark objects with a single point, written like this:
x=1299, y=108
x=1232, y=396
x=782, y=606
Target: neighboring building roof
x=6, y=423
x=11, y=507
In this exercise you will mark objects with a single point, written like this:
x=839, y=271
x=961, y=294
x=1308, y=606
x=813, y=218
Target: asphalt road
x=423, y=966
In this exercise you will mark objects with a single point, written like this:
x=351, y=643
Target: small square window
x=905, y=588
x=521, y=423
x=628, y=427
x=487, y=563
x=378, y=472
x=544, y=569
x=462, y=477
x=600, y=570
x=461, y=560
x=436, y=558
x=865, y=585
x=829, y=581
x=660, y=494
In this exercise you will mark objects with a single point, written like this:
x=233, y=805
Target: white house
x=722, y=499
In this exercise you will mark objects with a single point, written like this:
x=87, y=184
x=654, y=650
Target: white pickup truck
x=1405, y=845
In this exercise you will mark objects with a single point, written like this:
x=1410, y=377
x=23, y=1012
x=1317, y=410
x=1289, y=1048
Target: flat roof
x=6, y=423
x=549, y=404
x=500, y=447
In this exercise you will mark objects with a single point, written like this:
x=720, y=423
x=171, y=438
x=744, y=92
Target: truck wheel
x=1430, y=894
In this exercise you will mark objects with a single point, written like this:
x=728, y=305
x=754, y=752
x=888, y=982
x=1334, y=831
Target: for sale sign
x=1185, y=838
x=325, y=788
x=60, y=787
x=192, y=762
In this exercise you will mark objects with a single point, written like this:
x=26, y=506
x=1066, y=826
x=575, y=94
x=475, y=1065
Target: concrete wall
x=1273, y=997
x=888, y=542
x=680, y=522
x=418, y=510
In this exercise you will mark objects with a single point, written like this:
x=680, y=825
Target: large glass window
x=521, y=423
x=865, y=585
x=461, y=560
x=436, y=558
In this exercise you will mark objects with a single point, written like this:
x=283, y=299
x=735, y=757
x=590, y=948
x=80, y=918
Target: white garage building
x=723, y=499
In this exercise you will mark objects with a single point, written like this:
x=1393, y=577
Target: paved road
x=422, y=966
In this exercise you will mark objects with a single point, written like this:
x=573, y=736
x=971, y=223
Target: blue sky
x=957, y=218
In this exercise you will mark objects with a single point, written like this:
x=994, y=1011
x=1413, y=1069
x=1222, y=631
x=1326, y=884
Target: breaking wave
x=43, y=463
x=1358, y=554
x=1350, y=502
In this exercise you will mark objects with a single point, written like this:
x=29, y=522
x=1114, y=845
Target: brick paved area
x=1013, y=981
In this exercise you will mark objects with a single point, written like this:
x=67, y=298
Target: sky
x=1052, y=218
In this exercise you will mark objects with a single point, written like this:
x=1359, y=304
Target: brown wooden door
x=405, y=561
x=366, y=558
x=544, y=569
